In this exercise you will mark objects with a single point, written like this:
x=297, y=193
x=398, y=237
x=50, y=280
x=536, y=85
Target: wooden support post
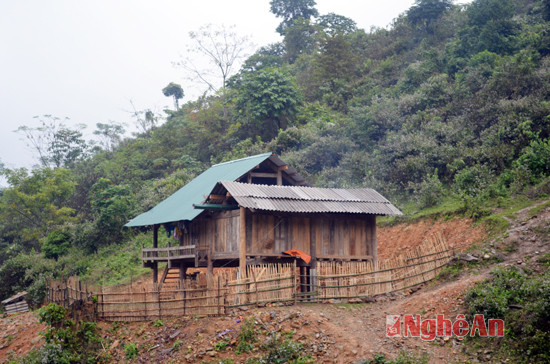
x=155, y=245
x=209, y=263
x=183, y=270
x=279, y=178
x=303, y=282
x=313, y=253
x=242, y=242
x=294, y=282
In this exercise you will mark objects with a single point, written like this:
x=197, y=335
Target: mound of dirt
x=457, y=232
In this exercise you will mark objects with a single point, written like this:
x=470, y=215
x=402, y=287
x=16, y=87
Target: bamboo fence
x=345, y=280
x=261, y=284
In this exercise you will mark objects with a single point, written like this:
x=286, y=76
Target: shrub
x=536, y=157
x=524, y=303
x=66, y=341
x=429, y=192
x=247, y=337
x=131, y=350
x=57, y=243
x=284, y=351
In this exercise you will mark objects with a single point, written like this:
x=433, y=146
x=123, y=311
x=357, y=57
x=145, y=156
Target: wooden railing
x=174, y=252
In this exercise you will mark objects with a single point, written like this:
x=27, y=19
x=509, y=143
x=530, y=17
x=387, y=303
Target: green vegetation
x=221, y=345
x=247, y=337
x=65, y=340
x=281, y=350
x=403, y=358
x=445, y=113
x=522, y=299
x=131, y=350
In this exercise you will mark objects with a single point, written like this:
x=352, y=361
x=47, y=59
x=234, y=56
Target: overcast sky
x=87, y=60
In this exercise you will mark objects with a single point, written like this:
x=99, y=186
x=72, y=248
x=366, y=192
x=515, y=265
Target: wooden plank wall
x=222, y=229
x=339, y=235
x=332, y=235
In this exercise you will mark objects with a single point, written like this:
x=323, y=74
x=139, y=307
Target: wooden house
x=253, y=210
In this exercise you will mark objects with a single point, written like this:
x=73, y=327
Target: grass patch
x=116, y=264
x=450, y=207
x=403, y=358
x=247, y=337
x=281, y=350
x=521, y=298
x=536, y=210
x=495, y=225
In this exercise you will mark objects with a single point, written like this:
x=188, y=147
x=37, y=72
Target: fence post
x=219, y=294
x=157, y=287
x=66, y=295
x=225, y=289
x=184, y=299
x=294, y=281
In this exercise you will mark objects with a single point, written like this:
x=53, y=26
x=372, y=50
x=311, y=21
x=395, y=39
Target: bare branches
x=56, y=144
x=221, y=48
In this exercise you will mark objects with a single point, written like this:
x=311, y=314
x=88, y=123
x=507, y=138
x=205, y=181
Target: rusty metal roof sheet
x=310, y=199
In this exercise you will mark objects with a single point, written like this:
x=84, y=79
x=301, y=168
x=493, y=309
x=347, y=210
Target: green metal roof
x=179, y=206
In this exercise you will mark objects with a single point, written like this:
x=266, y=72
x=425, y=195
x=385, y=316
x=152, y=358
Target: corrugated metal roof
x=179, y=206
x=310, y=199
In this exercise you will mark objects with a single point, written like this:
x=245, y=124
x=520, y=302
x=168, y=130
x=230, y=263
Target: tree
x=56, y=144
x=110, y=134
x=299, y=39
x=291, y=10
x=174, y=90
x=426, y=12
x=267, y=100
x=268, y=56
x=545, y=5
x=221, y=49
x=145, y=119
x=57, y=243
x=35, y=204
x=113, y=206
x=492, y=26
x=335, y=65
x=337, y=24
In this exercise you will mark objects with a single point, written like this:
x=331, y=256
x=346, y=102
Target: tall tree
x=35, y=204
x=221, y=49
x=337, y=24
x=425, y=12
x=110, y=134
x=56, y=144
x=174, y=90
x=291, y=10
x=299, y=39
x=268, y=100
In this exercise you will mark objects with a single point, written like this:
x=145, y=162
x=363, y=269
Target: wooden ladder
x=169, y=282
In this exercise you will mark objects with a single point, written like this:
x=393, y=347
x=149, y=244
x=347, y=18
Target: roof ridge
x=326, y=188
x=242, y=159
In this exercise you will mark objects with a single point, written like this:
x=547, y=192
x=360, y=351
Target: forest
x=449, y=105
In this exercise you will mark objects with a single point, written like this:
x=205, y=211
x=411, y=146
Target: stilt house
x=253, y=210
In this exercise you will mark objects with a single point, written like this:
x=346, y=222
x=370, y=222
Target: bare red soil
x=457, y=232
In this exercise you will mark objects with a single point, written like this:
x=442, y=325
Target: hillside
x=445, y=112
x=337, y=332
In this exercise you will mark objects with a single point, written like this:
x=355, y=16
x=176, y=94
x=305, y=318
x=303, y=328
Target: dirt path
x=528, y=235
